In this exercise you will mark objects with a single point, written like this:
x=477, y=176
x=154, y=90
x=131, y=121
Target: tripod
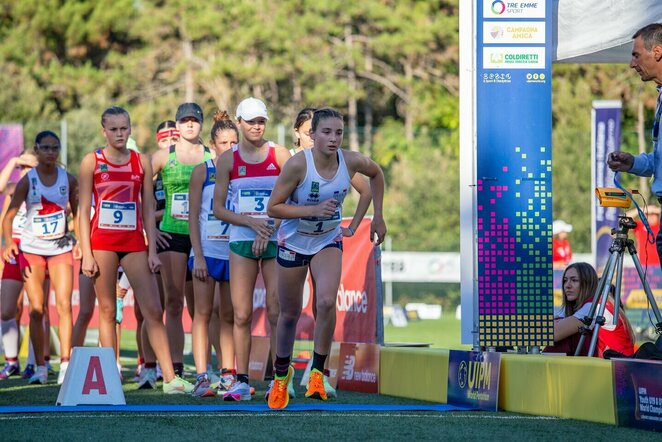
x=620, y=243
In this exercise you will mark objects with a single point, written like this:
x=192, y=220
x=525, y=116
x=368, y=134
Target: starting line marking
x=277, y=415
x=225, y=408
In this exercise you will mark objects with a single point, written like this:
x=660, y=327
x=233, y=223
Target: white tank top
x=310, y=235
x=46, y=217
x=19, y=222
x=214, y=233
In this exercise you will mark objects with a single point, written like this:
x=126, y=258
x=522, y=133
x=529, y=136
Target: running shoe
x=177, y=386
x=139, y=369
x=290, y=389
x=50, y=368
x=40, y=376
x=159, y=373
x=227, y=380
x=28, y=372
x=147, y=379
x=62, y=373
x=240, y=391
x=214, y=379
x=10, y=369
x=315, y=388
x=330, y=391
x=279, y=396
x=202, y=387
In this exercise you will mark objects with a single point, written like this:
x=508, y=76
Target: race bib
x=117, y=216
x=314, y=226
x=50, y=226
x=179, y=207
x=217, y=230
x=254, y=202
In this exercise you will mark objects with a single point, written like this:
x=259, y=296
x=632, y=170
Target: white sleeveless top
x=19, y=222
x=310, y=235
x=214, y=233
x=46, y=215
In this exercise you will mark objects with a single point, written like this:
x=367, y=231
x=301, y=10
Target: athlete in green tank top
x=176, y=177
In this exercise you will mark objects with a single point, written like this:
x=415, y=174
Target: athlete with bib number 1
x=308, y=196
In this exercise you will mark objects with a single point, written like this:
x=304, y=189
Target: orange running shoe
x=316, y=385
x=278, y=396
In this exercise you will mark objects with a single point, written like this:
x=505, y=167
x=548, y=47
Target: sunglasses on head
x=47, y=147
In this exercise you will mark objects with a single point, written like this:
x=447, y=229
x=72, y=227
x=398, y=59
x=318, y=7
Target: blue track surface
x=221, y=408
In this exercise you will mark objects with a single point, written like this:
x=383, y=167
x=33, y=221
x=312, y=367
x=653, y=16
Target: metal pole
x=380, y=299
x=281, y=134
x=388, y=289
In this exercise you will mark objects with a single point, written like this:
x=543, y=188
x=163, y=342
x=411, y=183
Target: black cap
x=189, y=110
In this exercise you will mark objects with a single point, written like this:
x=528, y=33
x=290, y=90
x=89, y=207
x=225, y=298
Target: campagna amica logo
x=498, y=7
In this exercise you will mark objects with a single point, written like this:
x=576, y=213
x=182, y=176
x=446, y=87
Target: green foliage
x=391, y=66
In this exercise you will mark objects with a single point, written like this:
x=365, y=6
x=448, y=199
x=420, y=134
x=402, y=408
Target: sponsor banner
x=473, y=379
x=356, y=301
x=11, y=140
x=513, y=32
x=638, y=393
x=513, y=189
x=259, y=357
x=606, y=138
x=359, y=367
x=420, y=267
x=503, y=57
x=514, y=9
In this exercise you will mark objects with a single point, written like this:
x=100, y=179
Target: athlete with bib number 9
x=46, y=190
x=308, y=196
x=121, y=181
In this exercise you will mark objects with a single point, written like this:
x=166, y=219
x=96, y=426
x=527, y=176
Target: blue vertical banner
x=605, y=138
x=514, y=172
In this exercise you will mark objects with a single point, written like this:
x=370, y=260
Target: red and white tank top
x=117, y=224
x=251, y=189
x=46, y=215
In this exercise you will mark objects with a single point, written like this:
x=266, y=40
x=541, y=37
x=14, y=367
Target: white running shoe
x=40, y=375
x=214, y=380
x=147, y=379
x=62, y=373
x=240, y=391
x=330, y=391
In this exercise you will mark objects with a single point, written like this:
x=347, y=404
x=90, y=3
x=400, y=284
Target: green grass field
x=309, y=425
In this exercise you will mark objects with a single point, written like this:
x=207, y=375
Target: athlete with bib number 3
x=308, y=196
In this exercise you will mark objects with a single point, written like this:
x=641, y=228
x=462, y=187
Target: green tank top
x=176, y=177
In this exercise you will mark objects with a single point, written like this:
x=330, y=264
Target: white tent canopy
x=599, y=31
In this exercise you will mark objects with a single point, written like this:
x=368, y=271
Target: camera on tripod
x=613, y=197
